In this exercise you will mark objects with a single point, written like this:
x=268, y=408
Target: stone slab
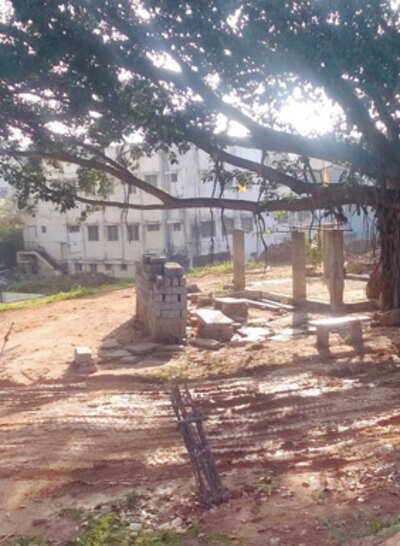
x=210, y=317
x=339, y=321
x=83, y=355
x=120, y=353
x=130, y=359
x=170, y=348
x=172, y=269
x=250, y=335
x=110, y=343
x=205, y=343
x=229, y=299
x=143, y=348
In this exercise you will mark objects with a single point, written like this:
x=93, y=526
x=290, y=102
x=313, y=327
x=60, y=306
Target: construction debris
x=214, y=324
x=83, y=359
x=204, y=343
x=234, y=308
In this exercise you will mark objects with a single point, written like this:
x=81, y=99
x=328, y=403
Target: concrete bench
x=324, y=326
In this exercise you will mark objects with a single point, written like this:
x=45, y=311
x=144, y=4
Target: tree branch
x=326, y=198
x=122, y=174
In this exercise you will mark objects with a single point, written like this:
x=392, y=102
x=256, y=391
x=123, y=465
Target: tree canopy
x=76, y=76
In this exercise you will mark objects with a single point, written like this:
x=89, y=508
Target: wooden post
x=335, y=264
x=299, y=266
x=239, y=274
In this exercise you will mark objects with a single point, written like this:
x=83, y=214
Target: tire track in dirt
x=60, y=435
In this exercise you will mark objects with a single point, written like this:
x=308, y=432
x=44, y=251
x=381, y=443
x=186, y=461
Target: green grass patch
x=78, y=292
x=110, y=530
x=223, y=267
x=59, y=283
x=341, y=532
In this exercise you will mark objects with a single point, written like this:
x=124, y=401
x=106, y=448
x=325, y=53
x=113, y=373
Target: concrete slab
x=120, y=353
x=214, y=325
x=232, y=307
x=205, y=343
x=130, y=360
x=143, y=348
x=83, y=355
x=248, y=335
x=212, y=316
x=170, y=349
x=110, y=343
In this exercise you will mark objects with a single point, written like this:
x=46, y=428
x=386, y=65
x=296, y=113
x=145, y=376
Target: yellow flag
x=325, y=177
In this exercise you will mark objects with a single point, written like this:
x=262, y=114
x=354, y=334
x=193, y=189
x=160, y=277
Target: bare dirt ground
x=307, y=442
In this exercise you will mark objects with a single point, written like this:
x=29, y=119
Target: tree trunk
x=389, y=237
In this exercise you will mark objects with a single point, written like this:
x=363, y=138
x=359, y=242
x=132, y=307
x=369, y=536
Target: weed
x=385, y=526
x=174, y=371
x=224, y=267
x=131, y=499
x=109, y=530
x=267, y=485
x=26, y=541
x=74, y=513
x=336, y=530
x=157, y=538
x=60, y=283
x=220, y=539
x=314, y=249
x=376, y=524
x=104, y=530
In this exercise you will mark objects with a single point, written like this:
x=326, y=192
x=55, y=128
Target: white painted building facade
x=111, y=240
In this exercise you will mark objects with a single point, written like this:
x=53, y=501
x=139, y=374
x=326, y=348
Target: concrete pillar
x=239, y=275
x=335, y=267
x=299, y=266
x=325, y=250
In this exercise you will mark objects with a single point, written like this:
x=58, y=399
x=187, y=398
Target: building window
x=133, y=232
x=177, y=226
x=282, y=217
x=172, y=177
x=73, y=229
x=124, y=267
x=247, y=223
x=112, y=233
x=207, y=229
x=93, y=268
x=303, y=216
x=153, y=227
x=228, y=223
x=151, y=179
x=109, y=267
x=93, y=233
x=44, y=229
x=78, y=267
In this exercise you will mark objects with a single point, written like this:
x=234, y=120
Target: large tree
x=77, y=75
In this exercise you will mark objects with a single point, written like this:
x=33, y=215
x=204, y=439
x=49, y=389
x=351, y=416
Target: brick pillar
x=299, y=266
x=335, y=267
x=239, y=274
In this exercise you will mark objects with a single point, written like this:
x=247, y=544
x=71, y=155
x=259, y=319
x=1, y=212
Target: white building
x=111, y=240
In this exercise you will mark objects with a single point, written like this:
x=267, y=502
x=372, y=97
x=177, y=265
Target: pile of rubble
x=213, y=321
